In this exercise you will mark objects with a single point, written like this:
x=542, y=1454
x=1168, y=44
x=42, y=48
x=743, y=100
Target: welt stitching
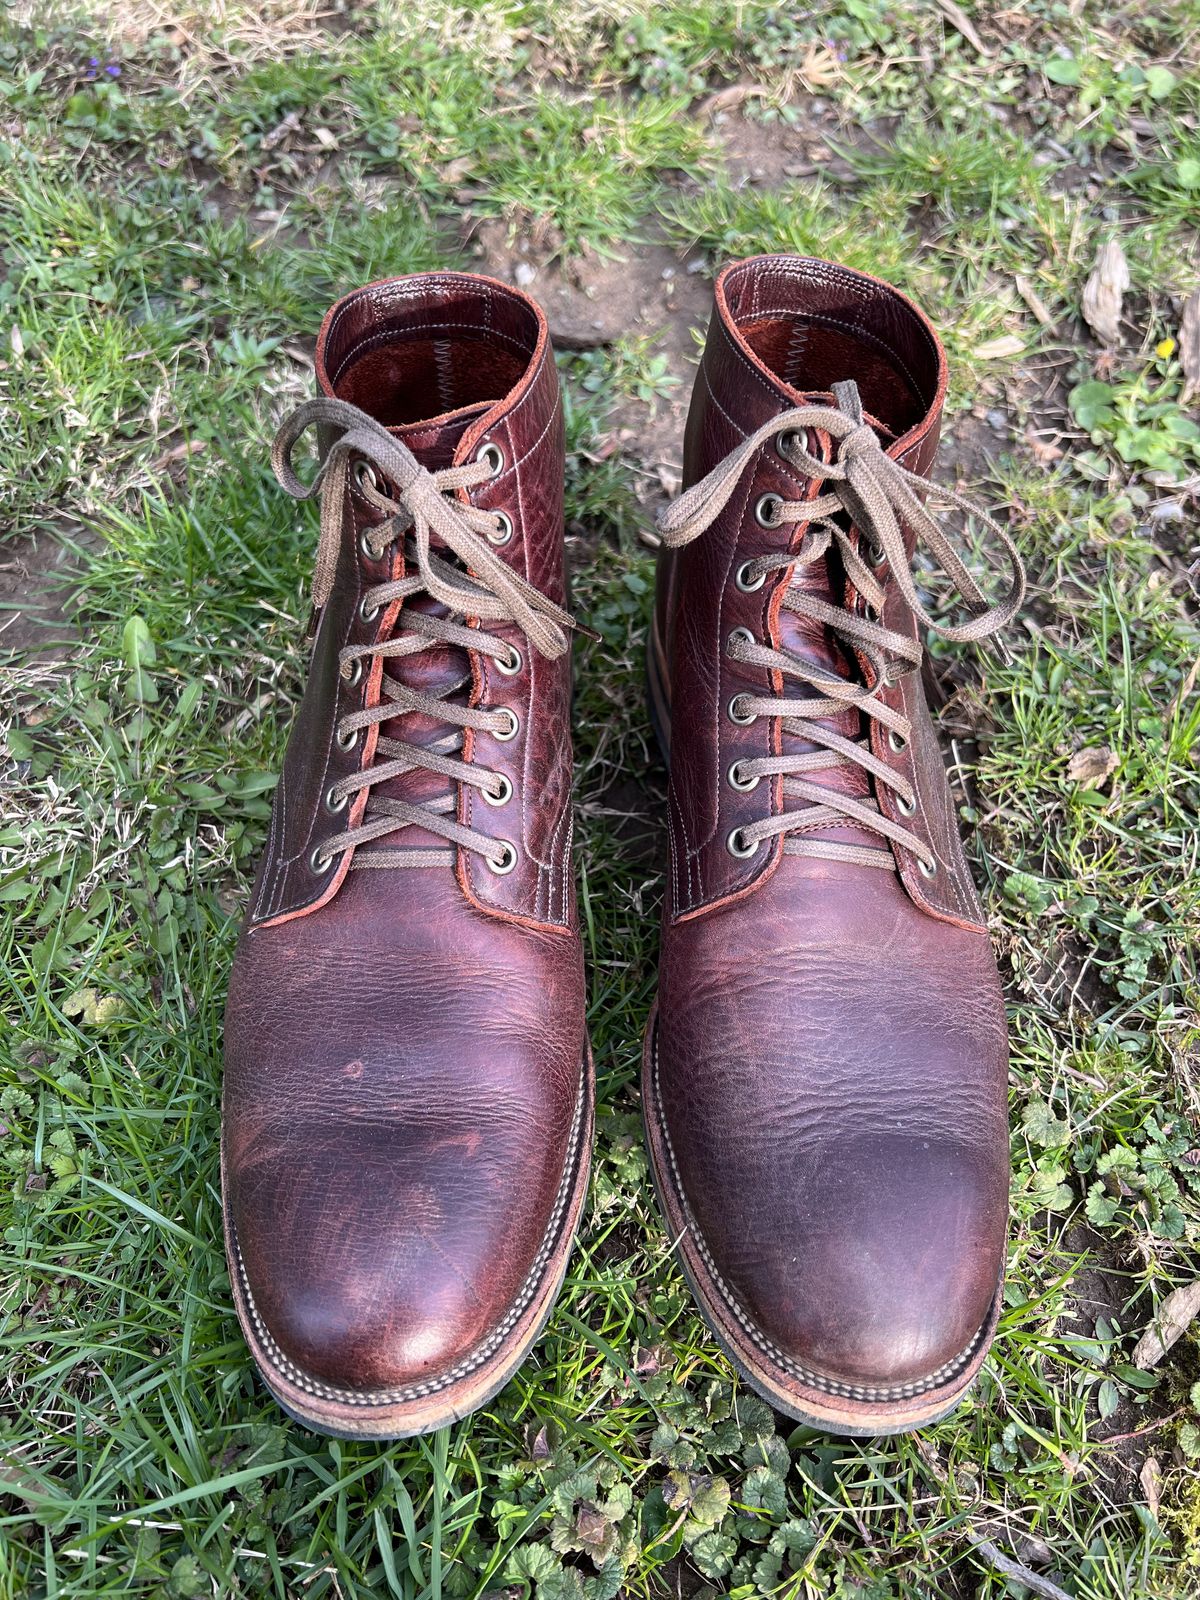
x=851, y=1391
x=482, y=1353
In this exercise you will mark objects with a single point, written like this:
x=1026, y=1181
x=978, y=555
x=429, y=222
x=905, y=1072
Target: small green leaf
x=1101, y=1208
x=1091, y=404
x=1159, y=82
x=140, y=656
x=20, y=745
x=1064, y=69
x=1043, y=1127
x=95, y=1009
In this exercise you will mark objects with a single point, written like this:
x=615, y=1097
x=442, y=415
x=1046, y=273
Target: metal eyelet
x=514, y=726
x=906, y=808
x=364, y=476
x=740, y=633
x=784, y=443
x=896, y=741
x=876, y=556
x=507, y=861
x=745, y=581
x=504, y=532
x=870, y=612
x=737, y=845
x=512, y=665
x=354, y=676
x=927, y=871
x=347, y=741
x=741, y=718
x=737, y=782
x=318, y=861
x=335, y=802
x=767, y=510
x=366, y=610
x=505, y=794
x=491, y=456
x=367, y=550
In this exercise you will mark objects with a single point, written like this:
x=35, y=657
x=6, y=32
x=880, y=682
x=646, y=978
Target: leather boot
x=408, y=1089
x=825, y=1071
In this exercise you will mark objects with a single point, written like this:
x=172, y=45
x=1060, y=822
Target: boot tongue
x=438, y=666
x=812, y=642
x=435, y=442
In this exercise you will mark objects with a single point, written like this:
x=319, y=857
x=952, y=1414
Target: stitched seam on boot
x=418, y=1391
x=372, y=341
x=850, y=1391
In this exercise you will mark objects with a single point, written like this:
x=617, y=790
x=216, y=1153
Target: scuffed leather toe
x=420, y=1292
x=874, y=1264
x=393, y=1181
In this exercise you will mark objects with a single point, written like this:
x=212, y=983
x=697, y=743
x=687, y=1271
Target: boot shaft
x=459, y=369
x=784, y=332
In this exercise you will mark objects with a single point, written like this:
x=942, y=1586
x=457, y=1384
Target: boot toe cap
x=876, y=1270
x=397, y=1271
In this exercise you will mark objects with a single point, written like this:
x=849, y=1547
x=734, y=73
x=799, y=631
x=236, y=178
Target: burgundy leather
x=407, y=1093
x=826, y=1072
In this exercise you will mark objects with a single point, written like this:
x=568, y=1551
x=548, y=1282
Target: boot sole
x=417, y=1408
x=853, y=1410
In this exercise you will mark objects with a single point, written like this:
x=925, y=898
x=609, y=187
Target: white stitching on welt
x=417, y=1391
x=849, y=1391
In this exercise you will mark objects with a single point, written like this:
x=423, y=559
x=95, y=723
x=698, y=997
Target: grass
x=171, y=235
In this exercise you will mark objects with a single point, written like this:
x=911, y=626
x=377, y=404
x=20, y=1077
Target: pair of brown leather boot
x=408, y=1087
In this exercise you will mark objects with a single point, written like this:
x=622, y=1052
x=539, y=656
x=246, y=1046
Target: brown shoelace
x=877, y=496
x=418, y=509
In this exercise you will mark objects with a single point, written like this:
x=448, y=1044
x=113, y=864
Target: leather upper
x=847, y=325
x=404, y=1088
x=439, y=340
x=830, y=1050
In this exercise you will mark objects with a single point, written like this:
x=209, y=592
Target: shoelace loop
x=483, y=587
x=879, y=497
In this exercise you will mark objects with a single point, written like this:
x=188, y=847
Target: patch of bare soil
x=651, y=290
x=775, y=153
x=35, y=573
x=1104, y=1287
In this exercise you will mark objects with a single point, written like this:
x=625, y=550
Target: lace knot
x=859, y=442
